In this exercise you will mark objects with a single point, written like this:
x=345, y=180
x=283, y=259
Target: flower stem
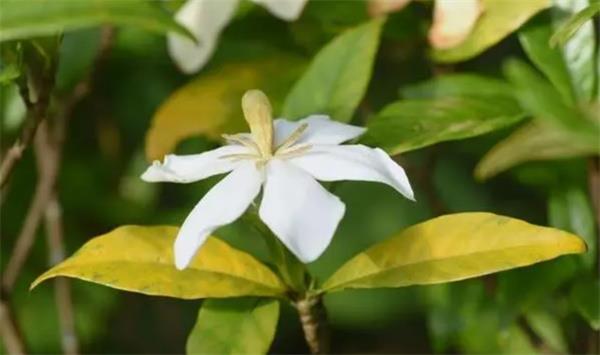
x=313, y=318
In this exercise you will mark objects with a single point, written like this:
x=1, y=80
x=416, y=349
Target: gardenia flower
x=285, y=158
x=205, y=19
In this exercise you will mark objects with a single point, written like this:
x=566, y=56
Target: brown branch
x=62, y=294
x=11, y=335
x=313, y=318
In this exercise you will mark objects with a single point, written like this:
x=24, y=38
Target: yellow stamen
x=258, y=114
x=293, y=138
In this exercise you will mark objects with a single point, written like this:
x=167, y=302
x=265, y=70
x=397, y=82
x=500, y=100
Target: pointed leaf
x=453, y=247
x=532, y=142
x=337, y=78
x=24, y=19
x=411, y=124
x=211, y=104
x=547, y=326
x=234, y=326
x=568, y=28
x=499, y=19
x=140, y=259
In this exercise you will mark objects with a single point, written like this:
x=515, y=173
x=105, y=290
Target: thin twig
x=11, y=336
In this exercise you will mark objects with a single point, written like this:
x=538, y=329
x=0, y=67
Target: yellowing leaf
x=211, y=104
x=499, y=19
x=140, y=259
x=453, y=247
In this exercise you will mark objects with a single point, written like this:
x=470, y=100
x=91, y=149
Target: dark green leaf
x=547, y=326
x=24, y=19
x=234, y=326
x=569, y=208
x=545, y=102
x=584, y=296
x=412, y=124
x=534, y=37
x=337, y=78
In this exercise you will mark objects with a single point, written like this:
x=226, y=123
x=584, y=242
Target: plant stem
x=313, y=318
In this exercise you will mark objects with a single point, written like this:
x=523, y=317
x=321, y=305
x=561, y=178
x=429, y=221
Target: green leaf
x=411, y=124
x=534, y=38
x=140, y=259
x=547, y=326
x=9, y=72
x=24, y=19
x=462, y=85
x=545, y=102
x=515, y=340
x=584, y=296
x=573, y=24
x=534, y=141
x=499, y=19
x=234, y=326
x=578, y=51
x=337, y=78
x=210, y=105
x=570, y=209
x=453, y=247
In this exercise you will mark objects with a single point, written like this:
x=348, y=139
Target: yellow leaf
x=453, y=247
x=140, y=259
x=211, y=104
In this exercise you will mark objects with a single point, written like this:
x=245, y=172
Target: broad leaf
x=570, y=209
x=462, y=85
x=541, y=99
x=578, y=51
x=499, y=19
x=534, y=38
x=140, y=259
x=337, y=78
x=584, y=296
x=24, y=19
x=568, y=28
x=211, y=104
x=234, y=326
x=453, y=247
x=534, y=141
x=411, y=124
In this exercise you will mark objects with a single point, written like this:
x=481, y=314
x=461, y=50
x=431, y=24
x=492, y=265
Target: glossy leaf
x=499, y=19
x=411, y=124
x=337, y=78
x=578, y=51
x=543, y=101
x=25, y=19
x=453, y=247
x=211, y=104
x=534, y=38
x=584, y=296
x=234, y=326
x=140, y=259
x=460, y=84
x=574, y=23
x=570, y=209
x=532, y=142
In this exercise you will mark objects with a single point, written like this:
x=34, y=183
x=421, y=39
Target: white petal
x=321, y=130
x=205, y=19
x=354, y=162
x=453, y=21
x=288, y=10
x=190, y=168
x=222, y=205
x=299, y=211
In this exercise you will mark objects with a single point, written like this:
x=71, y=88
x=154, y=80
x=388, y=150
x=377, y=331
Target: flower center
x=257, y=111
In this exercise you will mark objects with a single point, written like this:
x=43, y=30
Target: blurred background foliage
x=548, y=308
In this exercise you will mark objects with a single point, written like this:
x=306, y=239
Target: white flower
x=205, y=19
x=284, y=158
